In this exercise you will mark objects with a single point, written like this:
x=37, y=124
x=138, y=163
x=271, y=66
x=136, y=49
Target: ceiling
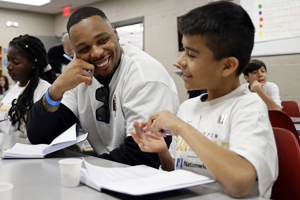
x=54, y=7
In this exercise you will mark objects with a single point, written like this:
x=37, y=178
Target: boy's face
x=200, y=69
x=260, y=75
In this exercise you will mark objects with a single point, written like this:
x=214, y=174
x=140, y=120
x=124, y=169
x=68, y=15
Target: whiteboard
x=273, y=47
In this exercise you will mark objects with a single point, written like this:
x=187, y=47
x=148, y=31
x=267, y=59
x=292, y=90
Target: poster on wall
x=276, y=19
x=5, y=57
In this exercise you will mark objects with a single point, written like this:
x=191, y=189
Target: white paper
x=64, y=140
x=139, y=180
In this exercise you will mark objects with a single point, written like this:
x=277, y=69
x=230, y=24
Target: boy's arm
x=257, y=87
x=236, y=174
x=237, y=177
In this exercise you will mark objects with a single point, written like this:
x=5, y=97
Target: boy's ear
x=231, y=65
x=246, y=78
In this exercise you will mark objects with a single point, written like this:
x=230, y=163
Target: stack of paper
x=139, y=180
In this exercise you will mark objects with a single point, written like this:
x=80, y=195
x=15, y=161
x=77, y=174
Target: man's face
x=68, y=49
x=95, y=41
x=260, y=75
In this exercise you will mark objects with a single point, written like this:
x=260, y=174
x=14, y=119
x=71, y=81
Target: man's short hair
x=64, y=38
x=253, y=65
x=83, y=13
x=227, y=28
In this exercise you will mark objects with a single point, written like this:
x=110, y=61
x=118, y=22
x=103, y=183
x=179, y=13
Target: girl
x=4, y=86
x=28, y=66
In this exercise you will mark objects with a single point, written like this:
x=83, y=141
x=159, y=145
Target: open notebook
x=64, y=140
x=138, y=180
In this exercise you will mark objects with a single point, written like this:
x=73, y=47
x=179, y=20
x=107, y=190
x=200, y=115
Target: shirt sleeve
x=43, y=127
x=252, y=137
x=273, y=92
x=138, y=104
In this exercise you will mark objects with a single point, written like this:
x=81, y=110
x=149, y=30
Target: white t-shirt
x=140, y=85
x=272, y=90
x=6, y=126
x=237, y=121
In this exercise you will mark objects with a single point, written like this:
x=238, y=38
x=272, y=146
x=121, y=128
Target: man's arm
x=43, y=127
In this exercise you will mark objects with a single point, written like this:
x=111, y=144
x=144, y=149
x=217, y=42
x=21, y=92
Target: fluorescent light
x=29, y=2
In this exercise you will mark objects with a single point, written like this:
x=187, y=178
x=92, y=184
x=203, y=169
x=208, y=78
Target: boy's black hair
x=33, y=50
x=83, y=13
x=253, y=65
x=227, y=27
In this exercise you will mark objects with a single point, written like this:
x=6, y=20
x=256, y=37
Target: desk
x=296, y=121
x=40, y=179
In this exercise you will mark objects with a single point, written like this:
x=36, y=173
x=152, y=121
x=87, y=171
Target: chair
x=287, y=184
x=291, y=108
x=282, y=120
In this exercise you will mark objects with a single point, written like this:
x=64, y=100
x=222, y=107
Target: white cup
x=6, y=190
x=70, y=170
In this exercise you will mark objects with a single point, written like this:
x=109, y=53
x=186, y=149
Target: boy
x=226, y=133
x=255, y=73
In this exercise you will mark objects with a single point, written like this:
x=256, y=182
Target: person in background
x=55, y=54
x=122, y=84
x=255, y=73
x=28, y=66
x=224, y=134
x=4, y=86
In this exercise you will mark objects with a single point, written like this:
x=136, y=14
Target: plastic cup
x=70, y=170
x=6, y=190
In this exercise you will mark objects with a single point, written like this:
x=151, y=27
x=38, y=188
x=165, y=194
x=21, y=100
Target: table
x=296, y=121
x=40, y=179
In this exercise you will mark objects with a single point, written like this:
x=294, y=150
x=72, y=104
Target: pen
x=161, y=130
x=70, y=59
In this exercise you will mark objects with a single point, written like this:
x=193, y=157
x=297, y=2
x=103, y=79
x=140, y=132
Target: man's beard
x=105, y=80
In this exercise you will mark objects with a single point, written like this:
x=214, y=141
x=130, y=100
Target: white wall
x=29, y=23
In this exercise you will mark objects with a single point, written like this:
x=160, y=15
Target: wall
x=161, y=39
x=29, y=23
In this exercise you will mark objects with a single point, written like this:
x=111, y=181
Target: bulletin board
x=277, y=26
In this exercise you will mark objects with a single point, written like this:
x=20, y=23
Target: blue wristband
x=51, y=102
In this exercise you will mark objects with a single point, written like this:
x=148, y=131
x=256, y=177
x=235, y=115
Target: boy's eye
x=191, y=56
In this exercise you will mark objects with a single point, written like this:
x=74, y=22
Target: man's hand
x=74, y=74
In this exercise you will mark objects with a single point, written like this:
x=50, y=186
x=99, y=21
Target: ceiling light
x=16, y=24
x=8, y=23
x=29, y=2
x=12, y=24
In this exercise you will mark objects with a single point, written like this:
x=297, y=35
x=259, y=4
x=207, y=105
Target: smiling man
x=125, y=84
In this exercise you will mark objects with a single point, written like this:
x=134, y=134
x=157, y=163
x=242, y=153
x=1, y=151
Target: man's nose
x=96, y=51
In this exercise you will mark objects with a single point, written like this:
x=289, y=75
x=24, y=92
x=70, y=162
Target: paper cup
x=70, y=171
x=6, y=190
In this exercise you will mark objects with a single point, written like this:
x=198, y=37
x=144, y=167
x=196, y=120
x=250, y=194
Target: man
x=126, y=84
x=55, y=54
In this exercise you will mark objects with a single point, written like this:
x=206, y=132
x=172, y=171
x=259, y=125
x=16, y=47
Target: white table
x=40, y=179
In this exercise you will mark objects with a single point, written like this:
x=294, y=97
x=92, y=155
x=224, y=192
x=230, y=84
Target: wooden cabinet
x=1, y=60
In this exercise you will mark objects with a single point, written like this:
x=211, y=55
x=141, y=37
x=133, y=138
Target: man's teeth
x=102, y=64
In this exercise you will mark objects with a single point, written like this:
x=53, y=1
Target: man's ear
x=246, y=78
x=230, y=66
x=116, y=32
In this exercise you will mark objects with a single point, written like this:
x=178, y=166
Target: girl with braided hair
x=28, y=66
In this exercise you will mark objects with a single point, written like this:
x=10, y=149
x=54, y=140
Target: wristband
x=51, y=102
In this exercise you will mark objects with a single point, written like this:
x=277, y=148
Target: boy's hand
x=255, y=85
x=147, y=141
x=163, y=120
